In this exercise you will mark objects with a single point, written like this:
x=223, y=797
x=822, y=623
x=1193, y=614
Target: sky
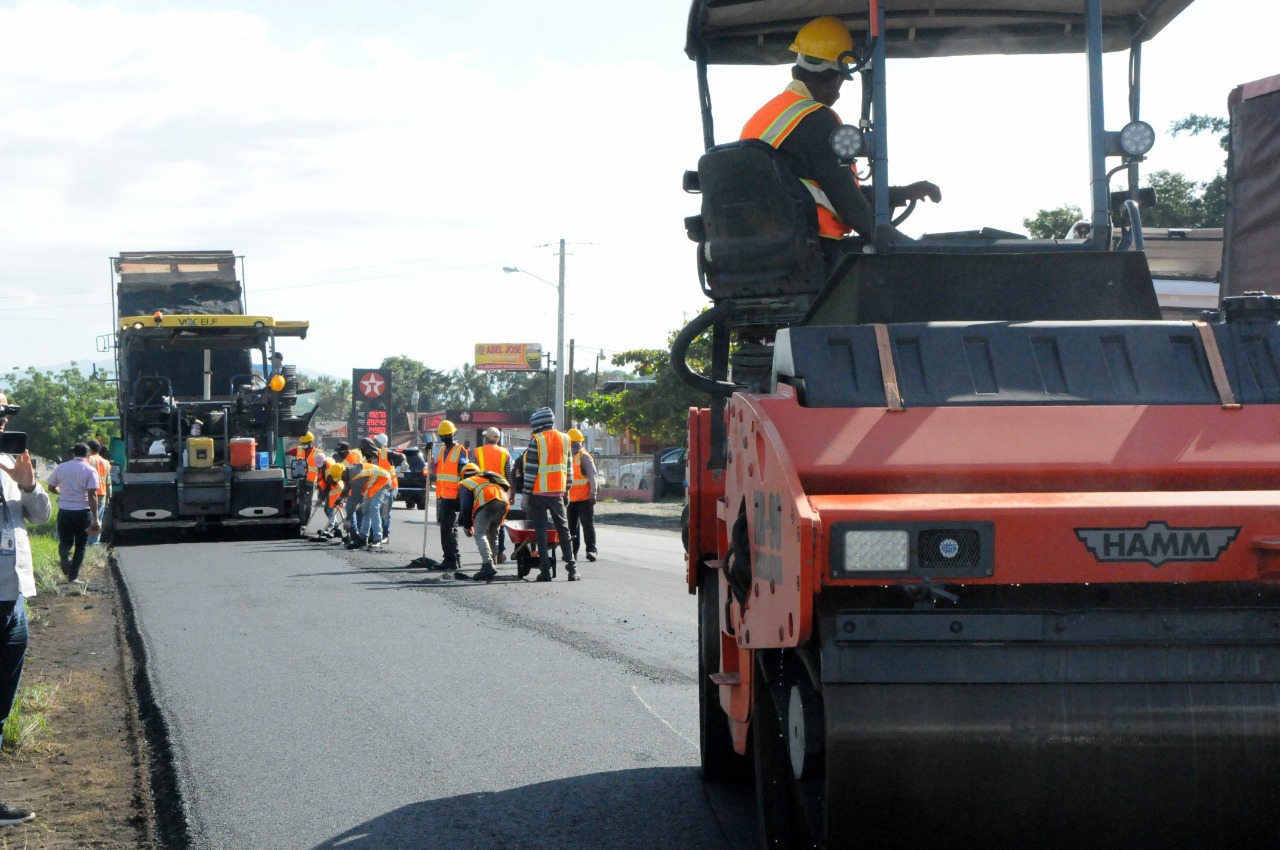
x=378, y=164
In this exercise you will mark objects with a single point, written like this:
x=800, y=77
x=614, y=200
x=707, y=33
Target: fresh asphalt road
x=317, y=698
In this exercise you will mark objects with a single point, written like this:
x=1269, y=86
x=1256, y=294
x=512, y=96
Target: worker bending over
x=482, y=506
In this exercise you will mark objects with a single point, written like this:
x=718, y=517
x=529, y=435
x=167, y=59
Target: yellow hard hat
x=277, y=383
x=307, y=438
x=445, y=428
x=825, y=38
x=575, y=436
x=335, y=471
x=470, y=469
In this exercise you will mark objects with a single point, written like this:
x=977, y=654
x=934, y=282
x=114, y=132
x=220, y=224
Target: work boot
x=544, y=573
x=487, y=572
x=357, y=542
x=571, y=572
x=591, y=555
x=502, y=557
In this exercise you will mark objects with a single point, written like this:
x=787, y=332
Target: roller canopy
x=757, y=32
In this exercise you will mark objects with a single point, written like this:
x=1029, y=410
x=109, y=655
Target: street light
x=559, y=408
x=417, y=435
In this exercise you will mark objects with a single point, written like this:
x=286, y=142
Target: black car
x=413, y=480
x=671, y=463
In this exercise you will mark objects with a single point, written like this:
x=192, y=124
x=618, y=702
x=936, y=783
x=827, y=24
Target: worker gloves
x=919, y=191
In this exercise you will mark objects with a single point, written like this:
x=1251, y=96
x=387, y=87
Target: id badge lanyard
x=8, y=540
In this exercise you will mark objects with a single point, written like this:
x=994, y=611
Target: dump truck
x=202, y=418
x=985, y=552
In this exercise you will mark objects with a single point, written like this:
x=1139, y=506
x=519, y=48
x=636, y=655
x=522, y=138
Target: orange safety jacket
x=484, y=491
x=492, y=458
x=307, y=453
x=384, y=461
x=103, y=468
x=335, y=493
x=449, y=472
x=772, y=124
x=553, y=462
x=580, y=488
x=375, y=478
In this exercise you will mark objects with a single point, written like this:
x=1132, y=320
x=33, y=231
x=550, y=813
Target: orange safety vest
x=484, y=491
x=335, y=493
x=553, y=462
x=384, y=461
x=447, y=482
x=772, y=124
x=492, y=458
x=103, y=467
x=580, y=489
x=375, y=478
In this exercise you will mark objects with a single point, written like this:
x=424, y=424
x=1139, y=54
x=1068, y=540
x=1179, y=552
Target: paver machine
x=985, y=553
x=202, y=417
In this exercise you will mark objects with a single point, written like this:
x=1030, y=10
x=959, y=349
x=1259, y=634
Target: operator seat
x=153, y=401
x=757, y=235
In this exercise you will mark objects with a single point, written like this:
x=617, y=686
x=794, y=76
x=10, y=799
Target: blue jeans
x=353, y=512
x=371, y=515
x=13, y=650
x=95, y=539
x=386, y=512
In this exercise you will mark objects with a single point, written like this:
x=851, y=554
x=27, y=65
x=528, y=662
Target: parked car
x=413, y=480
x=671, y=471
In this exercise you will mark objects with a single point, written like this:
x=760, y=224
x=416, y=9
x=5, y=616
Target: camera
x=7, y=410
x=12, y=442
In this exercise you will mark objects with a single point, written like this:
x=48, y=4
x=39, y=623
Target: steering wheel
x=911, y=207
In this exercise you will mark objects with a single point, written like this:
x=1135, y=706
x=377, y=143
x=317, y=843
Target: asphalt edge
x=168, y=812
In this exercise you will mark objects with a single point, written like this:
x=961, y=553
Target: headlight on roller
x=876, y=551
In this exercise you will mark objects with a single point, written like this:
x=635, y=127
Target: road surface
x=317, y=698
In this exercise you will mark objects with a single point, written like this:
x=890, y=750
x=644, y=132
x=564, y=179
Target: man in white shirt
x=21, y=500
x=76, y=483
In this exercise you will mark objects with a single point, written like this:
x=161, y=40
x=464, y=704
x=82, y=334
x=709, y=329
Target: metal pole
x=559, y=408
x=880, y=100
x=1099, y=219
x=570, y=390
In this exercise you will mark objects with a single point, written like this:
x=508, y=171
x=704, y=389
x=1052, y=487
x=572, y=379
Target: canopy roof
x=757, y=32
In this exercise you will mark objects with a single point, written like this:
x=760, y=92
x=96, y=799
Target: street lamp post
x=417, y=435
x=559, y=408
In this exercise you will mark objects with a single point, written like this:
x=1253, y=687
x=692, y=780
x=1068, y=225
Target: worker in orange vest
x=546, y=489
x=375, y=484
x=483, y=507
x=388, y=460
x=799, y=122
x=492, y=457
x=330, y=487
x=582, y=494
x=306, y=450
x=450, y=458
x=103, y=467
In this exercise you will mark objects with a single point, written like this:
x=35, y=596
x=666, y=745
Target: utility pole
x=566, y=415
x=561, y=415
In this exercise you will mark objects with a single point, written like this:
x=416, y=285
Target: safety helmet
x=445, y=428
x=575, y=436
x=380, y=439
x=307, y=438
x=470, y=469
x=277, y=383
x=824, y=39
x=335, y=471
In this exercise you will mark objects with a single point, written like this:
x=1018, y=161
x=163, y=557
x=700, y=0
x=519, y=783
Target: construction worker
x=546, y=488
x=375, y=483
x=799, y=123
x=354, y=505
x=346, y=455
x=330, y=487
x=450, y=459
x=306, y=450
x=103, y=467
x=388, y=460
x=492, y=457
x=483, y=506
x=582, y=495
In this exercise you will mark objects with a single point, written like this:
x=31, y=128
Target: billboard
x=508, y=356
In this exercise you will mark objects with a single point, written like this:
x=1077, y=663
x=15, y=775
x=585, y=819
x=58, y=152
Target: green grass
x=27, y=726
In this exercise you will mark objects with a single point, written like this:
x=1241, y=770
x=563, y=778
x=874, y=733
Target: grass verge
x=27, y=727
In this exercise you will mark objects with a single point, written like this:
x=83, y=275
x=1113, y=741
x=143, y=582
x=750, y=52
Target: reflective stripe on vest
x=103, y=467
x=335, y=494
x=447, y=482
x=552, y=477
x=492, y=458
x=580, y=489
x=772, y=124
x=484, y=491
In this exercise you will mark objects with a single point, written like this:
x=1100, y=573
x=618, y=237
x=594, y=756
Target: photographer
x=21, y=499
x=76, y=483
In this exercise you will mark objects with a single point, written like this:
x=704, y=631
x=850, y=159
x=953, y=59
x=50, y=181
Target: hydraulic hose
x=680, y=350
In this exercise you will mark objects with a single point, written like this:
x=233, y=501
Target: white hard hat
x=381, y=439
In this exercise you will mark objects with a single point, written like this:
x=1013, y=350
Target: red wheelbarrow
x=524, y=544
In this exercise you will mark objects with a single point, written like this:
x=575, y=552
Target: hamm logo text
x=1157, y=543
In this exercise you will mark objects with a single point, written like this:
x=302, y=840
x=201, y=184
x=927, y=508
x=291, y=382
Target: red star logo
x=371, y=385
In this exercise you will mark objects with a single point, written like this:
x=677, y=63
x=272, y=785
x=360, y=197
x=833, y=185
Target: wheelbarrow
x=524, y=544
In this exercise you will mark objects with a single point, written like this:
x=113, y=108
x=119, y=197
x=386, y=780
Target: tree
x=58, y=408
x=333, y=397
x=1054, y=223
